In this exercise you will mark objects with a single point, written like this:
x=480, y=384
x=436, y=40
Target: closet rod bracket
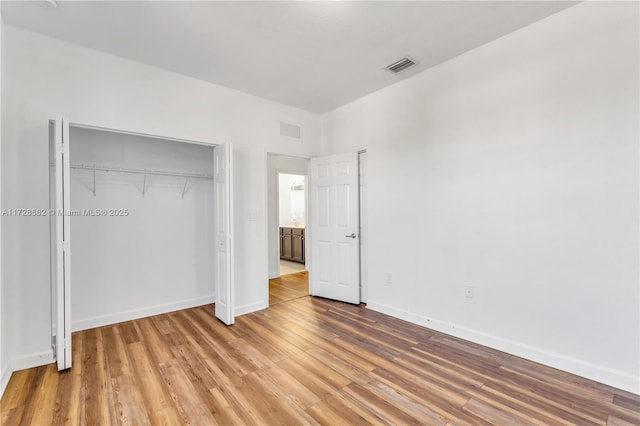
x=94, y=180
x=144, y=183
x=184, y=188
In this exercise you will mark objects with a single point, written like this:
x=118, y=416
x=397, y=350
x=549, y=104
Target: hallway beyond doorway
x=288, y=267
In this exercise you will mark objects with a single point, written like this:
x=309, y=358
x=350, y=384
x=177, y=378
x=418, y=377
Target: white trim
x=99, y=321
x=139, y=134
x=267, y=246
x=5, y=373
x=273, y=275
x=251, y=307
x=277, y=154
x=232, y=233
x=364, y=285
x=4, y=379
x=29, y=361
x=32, y=360
x=615, y=378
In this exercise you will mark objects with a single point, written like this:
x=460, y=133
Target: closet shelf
x=145, y=172
x=140, y=171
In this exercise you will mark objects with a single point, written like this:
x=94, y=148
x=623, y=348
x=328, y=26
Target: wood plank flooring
x=288, y=287
x=305, y=361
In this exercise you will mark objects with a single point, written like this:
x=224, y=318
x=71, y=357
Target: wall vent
x=401, y=65
x=289, y=130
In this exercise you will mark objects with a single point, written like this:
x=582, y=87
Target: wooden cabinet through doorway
x=292, y=244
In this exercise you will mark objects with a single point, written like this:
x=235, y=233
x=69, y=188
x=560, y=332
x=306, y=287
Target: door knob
x=353, y=235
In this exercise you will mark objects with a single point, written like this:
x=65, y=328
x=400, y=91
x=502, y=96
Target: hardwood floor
x=305, y=361
x=288, y=287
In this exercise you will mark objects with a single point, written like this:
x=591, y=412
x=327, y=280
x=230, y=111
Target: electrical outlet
x=387, y=278
x=468, y=291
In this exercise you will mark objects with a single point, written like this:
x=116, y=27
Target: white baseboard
x=273, y=275
x=576, y=366
x=99, y=321
x=27, y=361
x=251, y=307
x=4, y=378
x=32, y=360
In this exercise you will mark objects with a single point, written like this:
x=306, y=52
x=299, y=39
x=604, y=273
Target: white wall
x=291, y=203
x=513, y=168
x=47, y=77
x=4, y=364
x=275, y=164
x=158, y=256
x=284, y=200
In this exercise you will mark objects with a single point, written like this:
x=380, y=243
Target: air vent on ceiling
x=289, y=130
x=401, y=65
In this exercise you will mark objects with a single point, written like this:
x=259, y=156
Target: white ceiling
x=311, y=55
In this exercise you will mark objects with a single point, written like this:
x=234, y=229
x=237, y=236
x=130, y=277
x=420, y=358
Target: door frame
x=363, y=225
x=59, y=234
x=308, y=219
x=66, y=308
x=307, y=264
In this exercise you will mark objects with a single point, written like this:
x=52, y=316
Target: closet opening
x=143, y=234
x=140, y=226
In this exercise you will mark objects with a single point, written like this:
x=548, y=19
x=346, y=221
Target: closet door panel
x=223, y=225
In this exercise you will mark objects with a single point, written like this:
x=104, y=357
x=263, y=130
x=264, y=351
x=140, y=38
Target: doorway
x=293, y=281
x=287, y=228
x=337, y=263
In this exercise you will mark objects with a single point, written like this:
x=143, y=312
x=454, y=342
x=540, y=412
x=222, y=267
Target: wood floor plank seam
x=518, y=389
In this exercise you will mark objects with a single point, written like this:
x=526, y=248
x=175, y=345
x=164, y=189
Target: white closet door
x=222, y=179
x=61, y=262
x=335, y=247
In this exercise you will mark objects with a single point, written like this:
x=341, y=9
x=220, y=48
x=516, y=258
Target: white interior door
x=61, y=244
x=223, y=190
x=335, y=247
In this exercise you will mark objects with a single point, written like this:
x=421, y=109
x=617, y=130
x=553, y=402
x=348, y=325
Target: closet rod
x=140, y=171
